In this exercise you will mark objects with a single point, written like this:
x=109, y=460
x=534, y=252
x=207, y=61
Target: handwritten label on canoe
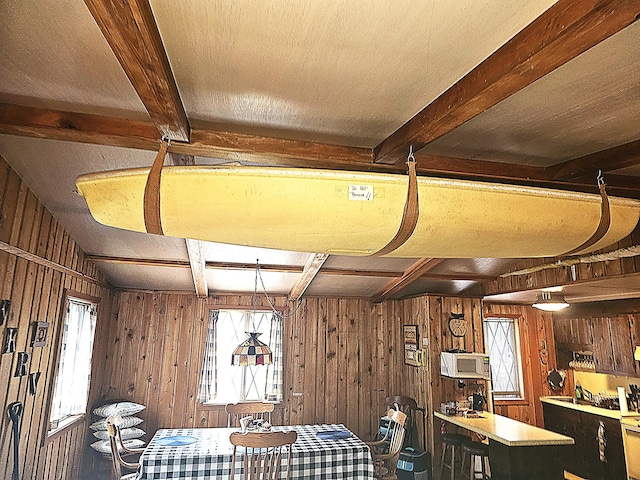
x=361, y=192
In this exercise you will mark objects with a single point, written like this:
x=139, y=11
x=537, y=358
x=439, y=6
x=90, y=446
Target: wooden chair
x=115, y=441
x=235, y=411
x=409, y=406
x=385, y=461
x=380, y=441
x=262, y=454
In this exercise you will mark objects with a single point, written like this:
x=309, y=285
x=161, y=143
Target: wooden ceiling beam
x=269, y=151
x=609, y=160
x=77, y=127
x=102, y=130
x=311, y=268
x=413, y=273
x=131, y=31
x=195, y=251
x=567, y=29
x=285, y=268
x=480, y=169
x=273, y=151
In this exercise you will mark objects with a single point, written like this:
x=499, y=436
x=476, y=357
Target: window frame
x=285, y=339
x=50, y=435
x=521, y=397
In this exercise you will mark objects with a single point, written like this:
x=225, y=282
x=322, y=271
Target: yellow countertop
x=507, y=431
x=631, y=423
x=604, y=412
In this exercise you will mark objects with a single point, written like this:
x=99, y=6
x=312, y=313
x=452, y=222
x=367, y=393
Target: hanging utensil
x=15, y=410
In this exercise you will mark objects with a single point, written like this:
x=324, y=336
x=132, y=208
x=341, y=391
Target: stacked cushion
x=124, y=409
x=130, y=434
x=127, y=434
x=127, y=422
x=103, y=446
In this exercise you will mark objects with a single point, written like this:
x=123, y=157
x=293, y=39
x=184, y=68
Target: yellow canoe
x=356, y=213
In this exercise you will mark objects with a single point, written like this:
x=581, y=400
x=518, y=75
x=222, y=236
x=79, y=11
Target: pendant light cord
x=254, y=299
x=264, y=290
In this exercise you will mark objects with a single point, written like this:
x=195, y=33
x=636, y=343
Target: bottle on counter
x=579, y=392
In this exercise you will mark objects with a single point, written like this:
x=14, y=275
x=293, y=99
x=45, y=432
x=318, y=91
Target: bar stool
x=473, y=450
x=451, y=442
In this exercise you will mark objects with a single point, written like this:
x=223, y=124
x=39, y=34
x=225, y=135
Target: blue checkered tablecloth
x=209, y=457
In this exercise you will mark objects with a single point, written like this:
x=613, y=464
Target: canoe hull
x=354, y=213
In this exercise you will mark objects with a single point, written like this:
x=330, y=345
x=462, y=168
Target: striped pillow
x=127, y=422
x=119, y=408
x=103, y=446
x=127, y=434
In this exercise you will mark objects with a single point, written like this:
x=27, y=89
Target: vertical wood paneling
x=36, y=293
x=311, y=382
x=320, y=360
x=622, y=344
x=342, y=357
x=331, y=363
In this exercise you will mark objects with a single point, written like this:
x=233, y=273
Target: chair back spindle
x=117, y=445
x=385, y=460
x=262, y=454
x=236, y=411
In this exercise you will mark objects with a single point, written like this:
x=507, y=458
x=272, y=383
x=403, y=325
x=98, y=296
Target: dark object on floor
x=414, y=464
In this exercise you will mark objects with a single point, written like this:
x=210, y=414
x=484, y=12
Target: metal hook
x=600, y=178
x=165, y=138
x=410, y=157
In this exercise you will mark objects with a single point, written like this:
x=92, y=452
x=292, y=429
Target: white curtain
x=72, y=383
x=273, y=387
x=208, y=386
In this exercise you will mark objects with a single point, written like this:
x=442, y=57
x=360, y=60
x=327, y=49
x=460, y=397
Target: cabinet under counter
x=517, y=450
x=598, y=453
x=631, y=440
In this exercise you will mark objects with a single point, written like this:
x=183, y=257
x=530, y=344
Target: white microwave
x=464, y=365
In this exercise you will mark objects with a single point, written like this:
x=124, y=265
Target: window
x=71, y=387
x=503, y=346
x=223, y=383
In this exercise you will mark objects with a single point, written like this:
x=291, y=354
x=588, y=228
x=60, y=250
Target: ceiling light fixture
x=252, y=351
x=550, y=302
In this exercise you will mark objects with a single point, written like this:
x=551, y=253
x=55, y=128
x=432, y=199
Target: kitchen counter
x=599, y=452
x=517, y=451
x=507, y=431
x=567, y=402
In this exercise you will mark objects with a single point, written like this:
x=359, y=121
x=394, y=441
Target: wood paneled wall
x=36, y=292
x=611, y=330
x=342, y=357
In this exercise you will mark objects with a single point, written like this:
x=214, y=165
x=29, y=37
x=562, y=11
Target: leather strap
x=603, y=226
x=151, y=205
x=409, y=215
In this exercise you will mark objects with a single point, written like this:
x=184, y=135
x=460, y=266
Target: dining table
x=326, y=451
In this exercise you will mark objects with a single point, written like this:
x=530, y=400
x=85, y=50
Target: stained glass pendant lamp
x=252, y=351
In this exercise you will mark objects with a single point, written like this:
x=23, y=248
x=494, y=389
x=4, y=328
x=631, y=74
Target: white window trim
x=71, y=420
x=521, y=395
x=244, y=310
